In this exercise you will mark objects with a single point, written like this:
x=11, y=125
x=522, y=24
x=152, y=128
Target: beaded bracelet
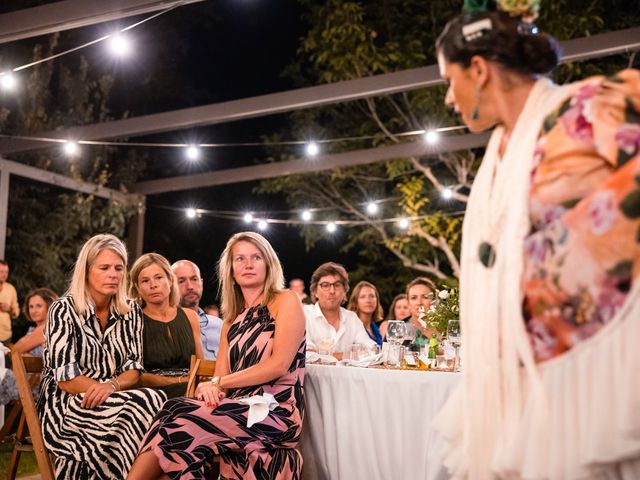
x=118, y=387
x=113, y=384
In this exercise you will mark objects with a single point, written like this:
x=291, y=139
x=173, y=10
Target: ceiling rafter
x=584, y=48
x=70, y=14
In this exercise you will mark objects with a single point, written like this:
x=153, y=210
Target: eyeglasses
x=325, y=286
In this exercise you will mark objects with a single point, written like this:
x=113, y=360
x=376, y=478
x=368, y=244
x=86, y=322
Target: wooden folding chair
x=22, y=366
x=200, y=369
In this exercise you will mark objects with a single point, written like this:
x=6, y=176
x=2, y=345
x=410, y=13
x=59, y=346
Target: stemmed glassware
x=396, y=331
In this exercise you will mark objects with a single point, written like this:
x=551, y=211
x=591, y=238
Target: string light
x=403, y=224
x=431, y=137
x=331, y=227
x=262, y=224
x=119, y=45
x=70, y=148
x=372, y=208
x=8, y=81
x=312, y=149
x=447, y=193
x=223, y=145
x=193, y=153
x=191, y=213
x=247, y=217
x=306, y=215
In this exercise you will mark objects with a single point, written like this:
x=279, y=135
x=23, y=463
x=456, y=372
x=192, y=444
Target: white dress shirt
x=351, y=329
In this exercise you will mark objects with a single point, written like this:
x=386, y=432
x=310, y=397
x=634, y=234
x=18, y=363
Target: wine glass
x=395, y=335
x=325, y=346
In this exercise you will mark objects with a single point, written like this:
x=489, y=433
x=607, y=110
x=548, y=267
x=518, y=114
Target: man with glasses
x=327, y=322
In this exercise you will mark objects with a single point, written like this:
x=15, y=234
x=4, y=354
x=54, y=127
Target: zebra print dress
x=98, y=443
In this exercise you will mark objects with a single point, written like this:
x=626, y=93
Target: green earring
x=474, y=114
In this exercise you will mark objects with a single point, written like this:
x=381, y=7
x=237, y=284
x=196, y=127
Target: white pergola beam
x=620, y=41
x=56, y=179
x=317, y=164
x=69, y=14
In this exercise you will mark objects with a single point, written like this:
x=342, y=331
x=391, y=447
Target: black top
x=167, y=348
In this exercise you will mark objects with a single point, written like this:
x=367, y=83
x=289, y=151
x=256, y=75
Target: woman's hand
x=209, y=393
x=96, y=394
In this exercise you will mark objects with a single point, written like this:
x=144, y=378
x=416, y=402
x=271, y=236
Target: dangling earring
x=474, y=113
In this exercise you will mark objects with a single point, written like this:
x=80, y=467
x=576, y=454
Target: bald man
x=190, y=283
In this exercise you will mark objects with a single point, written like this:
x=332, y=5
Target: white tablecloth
x=372, y=423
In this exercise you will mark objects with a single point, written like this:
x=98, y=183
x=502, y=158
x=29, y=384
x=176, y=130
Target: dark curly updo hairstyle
x=516, y=45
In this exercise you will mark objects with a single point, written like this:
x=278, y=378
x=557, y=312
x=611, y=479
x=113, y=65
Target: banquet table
x=371, y=423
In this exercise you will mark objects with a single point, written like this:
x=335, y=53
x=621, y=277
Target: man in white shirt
x=326, y=319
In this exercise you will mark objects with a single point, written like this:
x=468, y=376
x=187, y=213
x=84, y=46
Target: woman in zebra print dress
x=262, y=351
x=91, y=420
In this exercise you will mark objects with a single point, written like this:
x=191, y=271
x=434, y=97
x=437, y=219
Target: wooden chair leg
x=13, y=415
x=17, y=448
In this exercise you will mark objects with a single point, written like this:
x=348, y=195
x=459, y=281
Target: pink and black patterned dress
x=186, y=434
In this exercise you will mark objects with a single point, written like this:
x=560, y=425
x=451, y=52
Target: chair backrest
x=22, y=366
x=200, y=369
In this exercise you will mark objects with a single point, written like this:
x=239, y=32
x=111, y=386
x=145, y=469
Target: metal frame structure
x=69, y=14
x=75, y=13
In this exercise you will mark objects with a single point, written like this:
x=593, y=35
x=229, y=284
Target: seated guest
x=262, y=351
x=399, y=309
x=326, y=319
x=92, y=421
x=297, y=285
x=365, y=302
x=420, y=293
x=170, y=334
x=190, y=284
x=212, y=310
x=9, y=307
x=36, y=304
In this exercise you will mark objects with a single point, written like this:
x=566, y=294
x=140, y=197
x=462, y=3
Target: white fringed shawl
x=511, y=418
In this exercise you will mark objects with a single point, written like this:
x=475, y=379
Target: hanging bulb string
x=92, y=42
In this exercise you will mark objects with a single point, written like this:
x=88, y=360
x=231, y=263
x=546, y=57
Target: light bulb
x=248, y=218
x=372, y=208
x=331, y=227
x=403, y=223
x=431, y=137
x=191, y=213
x=70, y=148
x=312, y=149
x=306, y=215
x=8, y=81
x=262, y=224
x=193, y=152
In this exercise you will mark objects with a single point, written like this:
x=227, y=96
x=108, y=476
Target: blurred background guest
x=213, y=310
x=365, y=302
x=297, y=285
x=190, y=285
x=336, y=328
x=9, y=308
x=398, y=310
x=420, y=294
x=262, y=351
x=37, y=305
x=92, y=419
x=171, y=334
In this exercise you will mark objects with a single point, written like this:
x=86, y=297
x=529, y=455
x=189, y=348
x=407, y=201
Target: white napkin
x=314, y=357
x=259, y=407
x=365, y=362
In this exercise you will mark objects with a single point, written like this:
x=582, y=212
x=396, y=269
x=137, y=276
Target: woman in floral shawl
x=550, y=286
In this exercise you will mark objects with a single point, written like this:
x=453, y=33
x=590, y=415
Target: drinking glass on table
x=325, y=346
x=396, y=331
x=454, y=337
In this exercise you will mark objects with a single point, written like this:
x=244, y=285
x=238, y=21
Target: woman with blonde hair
x=262, y=355
x=365, y=302
x=92, y=419
x=171, y=334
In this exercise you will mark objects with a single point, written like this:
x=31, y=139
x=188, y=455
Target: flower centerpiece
x=445, y=307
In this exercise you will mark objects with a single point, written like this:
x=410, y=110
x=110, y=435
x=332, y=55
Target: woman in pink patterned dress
x=262, y=351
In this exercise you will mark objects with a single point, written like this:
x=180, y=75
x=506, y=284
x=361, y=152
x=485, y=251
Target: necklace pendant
x=487, y=254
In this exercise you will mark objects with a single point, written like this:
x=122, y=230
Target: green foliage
x=445, y=307
x=47, y=225
x=348, y=40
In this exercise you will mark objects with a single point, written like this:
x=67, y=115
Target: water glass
x=325, y=346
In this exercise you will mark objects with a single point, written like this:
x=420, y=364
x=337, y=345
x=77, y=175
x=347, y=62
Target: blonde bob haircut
x=233, y=302
x=353, y=300
x=79, y=287
x=145, y=261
